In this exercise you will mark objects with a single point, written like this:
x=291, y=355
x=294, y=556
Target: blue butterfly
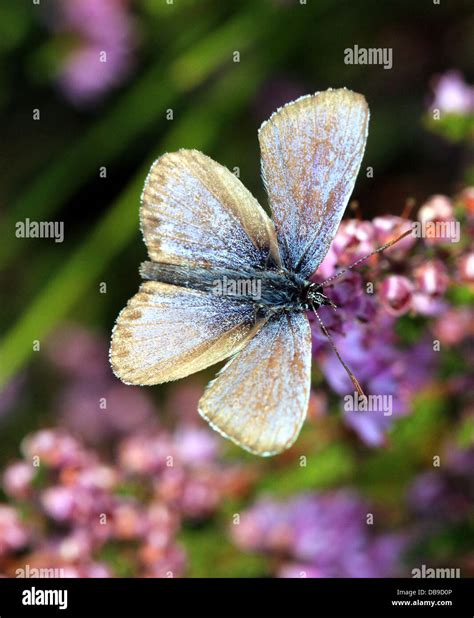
x=203, y=228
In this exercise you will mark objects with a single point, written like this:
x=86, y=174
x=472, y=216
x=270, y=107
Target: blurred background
x=101, y=479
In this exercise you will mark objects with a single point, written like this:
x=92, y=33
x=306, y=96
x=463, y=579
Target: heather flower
x=82, y=505
x=196, y=445
x=200, y=495
x=13, y=533
x=78, y=353
x=170, y=563
x=445, y=493
x=437, y=208
x=92, y=404
x=452, y=94
x=146, y=454
x=17, y=479
x=370, y=301
x=466, y=268
x=319, y=535
x=425, y=304
x=354, y=240
x=74, y=547
x=103, y=409
x=97, y=27
x=454, y=326
x=396, y=294
x=432, y=278
x=382, y=369
x=129, y=520
x=54, y=448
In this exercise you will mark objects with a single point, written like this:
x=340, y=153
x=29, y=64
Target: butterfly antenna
x=354, y=380
x=366, y=257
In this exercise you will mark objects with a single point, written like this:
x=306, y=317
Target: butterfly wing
x=167, y=332
x=260, y=398
x=311, y=152
x=196, y=212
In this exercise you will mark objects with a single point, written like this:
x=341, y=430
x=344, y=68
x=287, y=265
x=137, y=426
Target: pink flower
x=196, y=445
x=13, y=533
x=101, y=58
x=146, y=454
x=432, y=278
x=17, y=479
x=59, y=502
x=54, y=448
x=466, y=267
x=78, y=352
x=396, y=294
x=454, y=325
x=354, y=240
x=76, y=546
x=129, y=520
x=170, y=564
x=452, y=94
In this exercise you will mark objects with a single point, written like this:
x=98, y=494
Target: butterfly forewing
x=168, y=332
x=311, y=153
x=196, y=212
x=260, y=398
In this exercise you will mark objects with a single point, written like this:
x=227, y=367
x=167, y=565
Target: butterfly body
x=224, y=281
x=271, y=291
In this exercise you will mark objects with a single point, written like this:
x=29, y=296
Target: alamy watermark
x=40, y=596
x=40, y=229
x=238, y=287
x=369, y=403
x=429, y=572
x=437, y=230
x=371, y=55
x=39, y=572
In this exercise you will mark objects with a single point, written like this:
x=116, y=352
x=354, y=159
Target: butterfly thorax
x=271, y=290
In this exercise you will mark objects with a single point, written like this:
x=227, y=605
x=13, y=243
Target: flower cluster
x=71, y=510
x=441, y=500
x=320, y=535
x=411, y=278
x=445, y=493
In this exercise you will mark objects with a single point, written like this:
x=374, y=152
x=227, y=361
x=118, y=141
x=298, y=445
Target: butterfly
x=201, y=226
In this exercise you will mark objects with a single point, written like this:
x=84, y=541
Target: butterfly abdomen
x=270, y=290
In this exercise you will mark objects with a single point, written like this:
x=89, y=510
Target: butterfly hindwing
x=311, y=152
x=168, y=332
x=260, y=398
